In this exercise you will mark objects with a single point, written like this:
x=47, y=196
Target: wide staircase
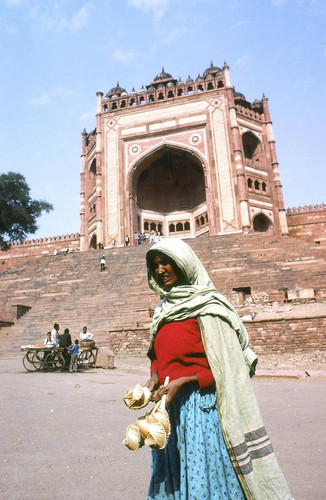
x=116, y=304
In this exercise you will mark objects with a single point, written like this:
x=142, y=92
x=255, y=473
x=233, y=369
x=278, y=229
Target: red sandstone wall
x=308, y=223
x=268, y=336
x=287, y=335
x=20, y=252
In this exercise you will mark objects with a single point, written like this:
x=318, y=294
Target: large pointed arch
x=168, y=184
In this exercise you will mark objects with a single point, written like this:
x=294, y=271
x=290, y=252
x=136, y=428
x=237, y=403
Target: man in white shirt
x=55, y=334
x=85, y=336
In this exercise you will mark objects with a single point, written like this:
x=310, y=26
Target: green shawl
x=232, y=362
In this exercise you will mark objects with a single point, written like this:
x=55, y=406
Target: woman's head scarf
x=196, y=299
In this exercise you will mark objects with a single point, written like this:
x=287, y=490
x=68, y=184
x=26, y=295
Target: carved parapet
x=40, y=241
x=305, y=208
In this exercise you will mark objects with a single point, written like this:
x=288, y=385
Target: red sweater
x=179, y=352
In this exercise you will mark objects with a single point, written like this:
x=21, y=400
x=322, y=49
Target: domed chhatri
x=238, y=95
x=257, y=104
x=116, y=91
x=163, y=76
x=212, y=69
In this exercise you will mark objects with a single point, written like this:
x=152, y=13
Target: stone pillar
x=98, y=202
x=275, y=168
x=83, y=224
x=238, y=155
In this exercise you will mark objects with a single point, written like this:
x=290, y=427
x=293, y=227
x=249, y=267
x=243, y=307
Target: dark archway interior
x=169, y=180
x=262, y=224
x=93, y=242
x=251, y=146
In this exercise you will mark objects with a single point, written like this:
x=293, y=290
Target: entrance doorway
x=168, y=192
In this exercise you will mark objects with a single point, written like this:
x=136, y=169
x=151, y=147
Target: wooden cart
x=39, y=357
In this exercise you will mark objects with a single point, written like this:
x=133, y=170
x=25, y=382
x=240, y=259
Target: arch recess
x=168, y=185
x=252, y=147
x=262, y=224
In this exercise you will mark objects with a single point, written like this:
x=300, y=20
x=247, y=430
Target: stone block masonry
x=116, y=305
x=287, y=335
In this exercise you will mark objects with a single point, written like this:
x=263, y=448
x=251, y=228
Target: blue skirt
x=195, y=464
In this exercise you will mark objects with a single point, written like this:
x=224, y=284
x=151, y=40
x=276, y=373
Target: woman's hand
x=153, y=382
x=172, y=389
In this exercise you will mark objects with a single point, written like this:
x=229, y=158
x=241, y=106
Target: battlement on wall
x=306, y=209
x=308, y=223
x=21, y=251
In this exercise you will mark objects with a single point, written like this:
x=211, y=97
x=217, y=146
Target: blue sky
x=56, y=55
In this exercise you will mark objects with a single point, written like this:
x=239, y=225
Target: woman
x=218, y=447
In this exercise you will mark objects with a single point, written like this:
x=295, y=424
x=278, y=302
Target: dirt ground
x=62, y=432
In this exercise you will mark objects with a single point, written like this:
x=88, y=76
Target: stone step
x=72, y=291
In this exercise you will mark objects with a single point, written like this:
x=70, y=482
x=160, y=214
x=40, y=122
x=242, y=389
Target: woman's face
x=164, y=271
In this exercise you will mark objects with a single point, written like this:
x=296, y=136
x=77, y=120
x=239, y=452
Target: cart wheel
x=28, y=362
x=38, y=360
x=86, y=359
x=54, y=361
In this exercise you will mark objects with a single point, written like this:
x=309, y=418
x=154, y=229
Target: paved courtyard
x=61, y=433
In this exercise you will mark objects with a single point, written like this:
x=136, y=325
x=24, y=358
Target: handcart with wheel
x=43, y=358
x=87, y=356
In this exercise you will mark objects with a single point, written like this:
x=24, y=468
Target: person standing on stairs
x=102, y=262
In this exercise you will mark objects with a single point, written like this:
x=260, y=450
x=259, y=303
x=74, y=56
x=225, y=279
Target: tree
x=18, y=212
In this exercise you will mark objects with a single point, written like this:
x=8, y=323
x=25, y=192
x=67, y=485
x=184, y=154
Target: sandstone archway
x=168, y=189
x=262, y=224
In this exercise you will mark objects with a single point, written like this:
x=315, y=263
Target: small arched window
x=146, y=225
x=263, y=186
x=92, y=168
x=187, y=226
x=180, y=92
x=151, y=98
x=190, y=90
x=257, y=185
x=179, y=226
x=249, y=182
x=210, y=86
x=170, y=94
x=200, y=88
x=220, y=84
x=153, y=226
x=123, y=104
x=160, y=96
x=114, y=105
x=251, y=146
x=172, y=228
